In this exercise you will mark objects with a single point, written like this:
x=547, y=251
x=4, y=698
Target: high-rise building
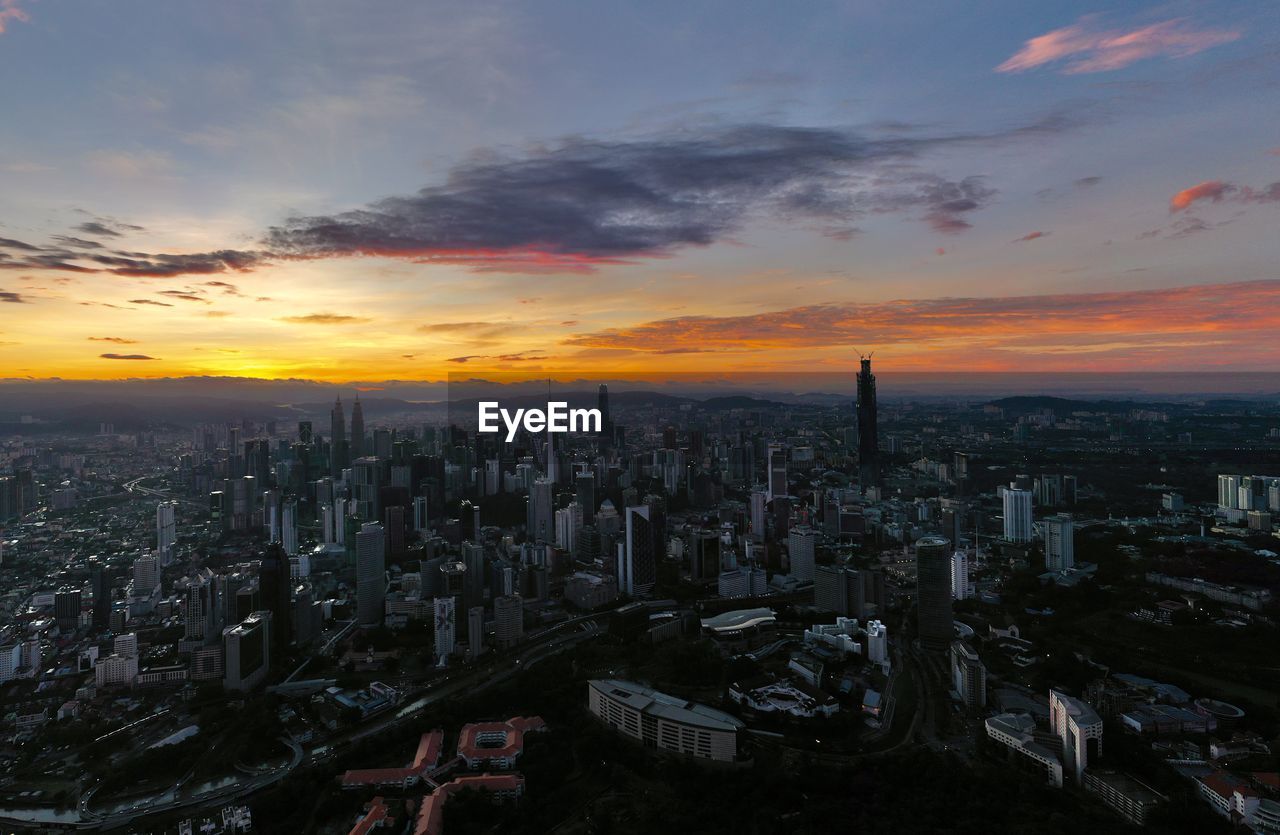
x=67, y=605
x=289, y=526
x=166, y=532
x=508, y=620
x=777, y=472
x=801, y=544
x=146, y=575
x=640, y=566
x=337, y=440
x=758, y=501
x=1059, y=543
x=933, y=592
x=445, y=628
x=371, y=574
x=475, y=631
x=968, y=676
x=1079, y=727
x=1229, y=492
x=704, y=555
x=357, y=429
x=368, y=476
x=200, y=625
x=1017, y=514
x=421, y=522
x=960, y=575
x=101, y=594
x=868, y=432
x=877, y=643
x=585, y=485
x=247, y=649
x=276, y=588
x=541, y=513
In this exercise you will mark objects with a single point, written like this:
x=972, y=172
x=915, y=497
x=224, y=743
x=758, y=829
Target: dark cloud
x=13, y=298
x=126, y=357
x=119, y=340
x=581, y=203
x=1031, y=236
x=1085, y=182
x=150, y=301
x=78, y=243
x=585, y=202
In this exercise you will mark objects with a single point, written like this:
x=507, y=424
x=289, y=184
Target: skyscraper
x=933, y=592
x=446, y=630
x=357, y=429
x=640, y=569
x=1059, y=543
x=101, y=594
x=960, y=575
x=868, y=434
x=541, y=515
x=289, y=526
x=1017, y=515
x=276, y=587
x=777, y=472
x=371, y=569
x=166, y=532
x=337, y=440
x=801, y=544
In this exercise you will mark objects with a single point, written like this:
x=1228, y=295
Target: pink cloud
x=9, y=10
x=1030, y=236
x=1085, y=49
x=1213, y=190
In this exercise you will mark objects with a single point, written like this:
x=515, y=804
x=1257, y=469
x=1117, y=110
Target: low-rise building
x=663, y=722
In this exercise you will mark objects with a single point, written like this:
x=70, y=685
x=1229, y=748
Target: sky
x=345, y=191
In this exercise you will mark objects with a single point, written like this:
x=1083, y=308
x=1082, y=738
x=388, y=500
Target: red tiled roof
x=514, y=730
x=1225, y=785
x=430, y=820
x=426, y=758
x=378, y=812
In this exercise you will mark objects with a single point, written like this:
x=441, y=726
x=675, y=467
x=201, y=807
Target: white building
x=664, y=722
x=1017, y=515
x=1079, y=727
x=877, y=643
x=446, y=628
x=1016, y=731
x=960, y=589
x=166, y=532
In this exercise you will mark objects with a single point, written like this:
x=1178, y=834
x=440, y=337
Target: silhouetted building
x=933, y=592
x=868, y=434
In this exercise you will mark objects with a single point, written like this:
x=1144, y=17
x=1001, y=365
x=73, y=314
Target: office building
x=475, y=632
x=968, y=676
x=868, y=432
x=640, y=571
x=289, y=526
x=933, y=592
x=508, y=620
x=1059, y=543
x=247, y=652
x=960, y=575
x=801, y=545
x=663, y=722
x=276, y=587
x=166, y=532
x=445, y=628
x=371, y=569
x=1079, y=727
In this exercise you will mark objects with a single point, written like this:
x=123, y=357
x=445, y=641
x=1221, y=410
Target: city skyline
x=320, y=193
